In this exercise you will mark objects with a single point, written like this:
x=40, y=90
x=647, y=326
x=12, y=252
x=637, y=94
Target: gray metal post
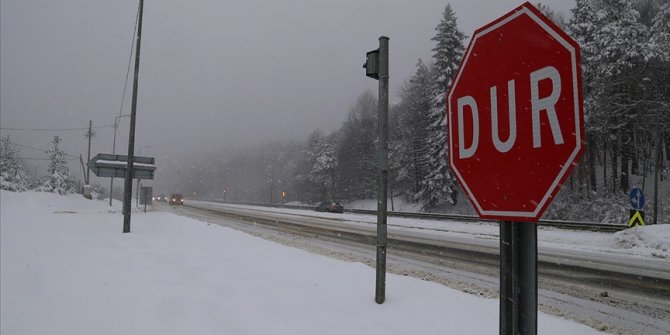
x=527, y=278
x=518, y=278
x=128, y=185
x=506, y=293
x=111, y=183
x=380, y=291
x=88, y=157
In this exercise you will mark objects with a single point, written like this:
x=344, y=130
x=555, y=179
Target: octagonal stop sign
x=515, y=117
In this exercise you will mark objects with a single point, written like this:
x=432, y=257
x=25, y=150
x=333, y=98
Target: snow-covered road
x=562, y=291
x=66, y=268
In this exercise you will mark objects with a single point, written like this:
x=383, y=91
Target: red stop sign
x=515, y=117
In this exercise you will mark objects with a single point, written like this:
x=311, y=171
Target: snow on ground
x=649, y=241
x=66, y=268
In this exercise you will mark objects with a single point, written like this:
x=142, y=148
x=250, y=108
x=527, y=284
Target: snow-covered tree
x=620, y=41
x=582, y=27
x=98, y=191
x=58, y=180
x=440, y=182
x=556, y=17
x=356, y=150
x=413, y=120
x=12, y=174
x=319, y=167
x=323, y=170
x=658, y=46
x=447, y=53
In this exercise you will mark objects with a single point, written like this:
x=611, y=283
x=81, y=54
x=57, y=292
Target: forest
x=625, y=48
x=626, y=83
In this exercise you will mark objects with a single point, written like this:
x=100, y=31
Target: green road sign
x=108, y=165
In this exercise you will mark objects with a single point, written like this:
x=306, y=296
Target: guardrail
x=576, y=225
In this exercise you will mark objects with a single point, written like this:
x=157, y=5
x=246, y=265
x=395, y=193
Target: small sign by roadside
x=636, y=198
x=636, y=218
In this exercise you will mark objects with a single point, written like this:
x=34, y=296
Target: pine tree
x=582, y=27
x=356, y=150
x=58, y=180
x=658, y=46
x=412, y=147
x=321, y=165
x=12, y=174
x=619, y=63
x=555, y=17
x=440, y=182
x=620, y=39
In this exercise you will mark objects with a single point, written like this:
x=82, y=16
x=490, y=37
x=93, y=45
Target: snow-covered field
x=645, y=242
x=66, y=268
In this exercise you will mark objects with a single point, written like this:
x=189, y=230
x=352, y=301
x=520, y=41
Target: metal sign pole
x=506, y=290
x=518, y=278
x=377, y=67
x=128, y=185
x=380, y=287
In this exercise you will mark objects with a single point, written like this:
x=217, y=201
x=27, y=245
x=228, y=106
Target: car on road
x=330, y=206
x=177, y=199
x=161, y=197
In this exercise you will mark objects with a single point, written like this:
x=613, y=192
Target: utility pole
x=377, y=67
x=128, y=184
x=89, y=134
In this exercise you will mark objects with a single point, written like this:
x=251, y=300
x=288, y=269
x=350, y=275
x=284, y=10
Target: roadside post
x=147, y=196
x=637, y=202
x=516, y=130
x=377, y=67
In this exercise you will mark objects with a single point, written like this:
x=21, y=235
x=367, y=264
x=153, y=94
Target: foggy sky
x=213, y=73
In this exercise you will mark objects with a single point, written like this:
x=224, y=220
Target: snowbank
x=68, y=269
x=645, y=242
x=653, y=240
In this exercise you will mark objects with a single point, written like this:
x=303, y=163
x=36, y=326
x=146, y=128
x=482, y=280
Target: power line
x=38, y=149
x=54, y=129
x=26, y=146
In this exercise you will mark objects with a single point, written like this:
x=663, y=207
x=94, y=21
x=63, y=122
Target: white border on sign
x=575, y=92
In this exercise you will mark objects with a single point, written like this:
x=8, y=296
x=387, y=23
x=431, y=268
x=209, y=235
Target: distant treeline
x=626, y=83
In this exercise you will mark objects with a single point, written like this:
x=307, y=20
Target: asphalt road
x=612, y=293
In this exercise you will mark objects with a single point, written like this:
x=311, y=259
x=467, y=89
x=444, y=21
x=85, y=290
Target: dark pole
x=506, y=296
x=659, y=157
x=383, y=105
x=88, y=158
x=128, y=185
x=518, y=278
